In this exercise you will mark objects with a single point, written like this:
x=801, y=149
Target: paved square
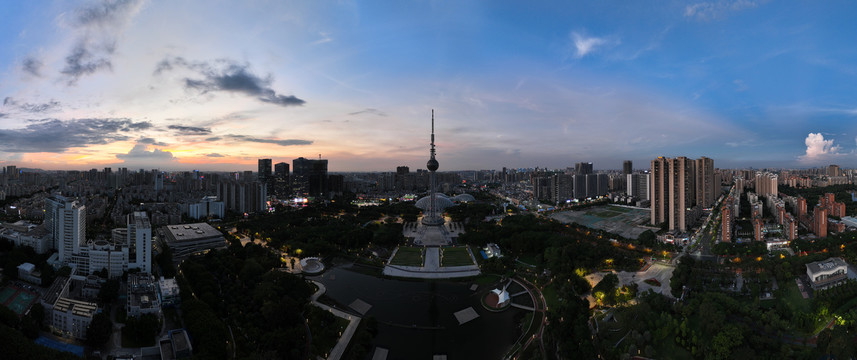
x=466, y=315
x=360, y=306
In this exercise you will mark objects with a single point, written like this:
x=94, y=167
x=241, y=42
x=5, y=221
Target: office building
x=188, y=239
x=264, y=170
x=310, y=177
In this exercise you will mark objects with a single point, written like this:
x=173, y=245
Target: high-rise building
x=726, y=220
x=264, y=173
x=281, y=170
x=819, y=221
x=582, y=168
x=282, y=186
x=766, y=184
x=139, y=242
x=638, y=186
x=706, y=189
x=579, y=187
x=65, y=221
x=834, y=170
x=159, y=180
x=627, y=167
x=672, y=191
x=310, y=176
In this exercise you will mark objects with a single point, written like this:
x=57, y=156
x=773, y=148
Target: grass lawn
x=326, y=329
x=408, y=256
x=551, y=296
x=486, y=279
x=794, y=300
x=455, y=256
x=528, y=259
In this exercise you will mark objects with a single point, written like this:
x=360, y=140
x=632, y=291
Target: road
x=540, y=306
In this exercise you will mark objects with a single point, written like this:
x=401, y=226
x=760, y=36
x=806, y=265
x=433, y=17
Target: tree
x=99, y=330
x=109, y=292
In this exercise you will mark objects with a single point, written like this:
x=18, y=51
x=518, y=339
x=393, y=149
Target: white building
x=65, y=221
x=168, y=292
x=28, y=273
x=827, y=273
x=139, y=242
x=22, y=233
x=65, y=314
x=208, y=206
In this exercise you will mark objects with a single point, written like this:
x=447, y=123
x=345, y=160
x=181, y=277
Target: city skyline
x=142, y=84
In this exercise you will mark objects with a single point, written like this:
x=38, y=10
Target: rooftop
x=826, y=265
x=189, y=232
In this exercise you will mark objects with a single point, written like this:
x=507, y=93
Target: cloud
x=584, y=45
x=150, y=141
x=32, y=108
x=97, y=28
x=82, y=62
x=53, y=135
x=712, y=10
x=138, y=152
x=229, y=76
x=215, y=155
x=281, y=142
x=370, y=111
x=190, y=130
x=32, y=66
x=214, y=138
x=740, y=86
x=818, y=149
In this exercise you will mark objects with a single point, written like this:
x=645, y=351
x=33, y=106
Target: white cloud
x=818, y=149
x=586, y=44
x=712, y=10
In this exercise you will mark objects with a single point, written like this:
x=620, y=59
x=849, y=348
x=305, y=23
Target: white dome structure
x=441, y=202
x=463, y=198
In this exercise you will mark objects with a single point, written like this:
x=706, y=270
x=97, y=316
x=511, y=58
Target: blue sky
x=217, y=85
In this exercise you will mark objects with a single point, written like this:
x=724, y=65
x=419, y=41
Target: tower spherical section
x=432, y=165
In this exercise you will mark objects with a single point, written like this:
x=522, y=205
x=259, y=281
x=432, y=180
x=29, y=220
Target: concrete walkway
x=353, y=321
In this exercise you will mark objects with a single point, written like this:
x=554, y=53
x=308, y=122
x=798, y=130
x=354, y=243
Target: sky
x=216, y=85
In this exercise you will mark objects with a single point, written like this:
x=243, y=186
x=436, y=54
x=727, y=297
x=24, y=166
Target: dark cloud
x=151, y=141
x=32, y=66
x=2, y=115
x=53, y=135
x=32, y=108
x=214, y=155
x=281, y=142
x=369, y=111
x=215, y=138
x=190, y=130
x=138, y=152
x=81, y=62
x=227, y=75
x=106, y=13
x=97, y=27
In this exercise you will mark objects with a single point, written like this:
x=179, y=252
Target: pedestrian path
x=353, y=321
